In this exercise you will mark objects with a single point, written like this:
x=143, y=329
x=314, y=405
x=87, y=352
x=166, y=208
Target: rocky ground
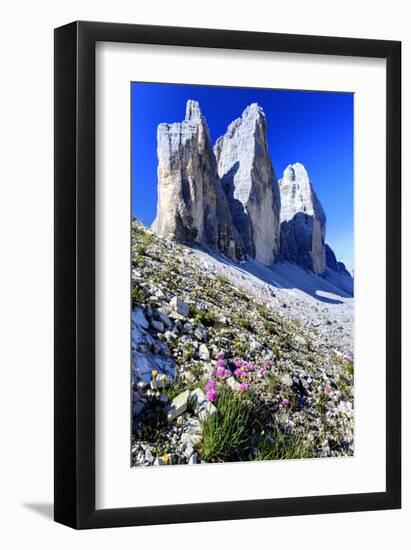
x=227, y=366
x=323, y=302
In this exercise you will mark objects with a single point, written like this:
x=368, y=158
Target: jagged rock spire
x=193, y=111
x=192, y=206
x=303, y=220
x=230, y=198
x=248, y=178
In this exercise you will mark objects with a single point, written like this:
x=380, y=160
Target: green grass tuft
x=207, y=318
x=226, y=435
x=278, y=446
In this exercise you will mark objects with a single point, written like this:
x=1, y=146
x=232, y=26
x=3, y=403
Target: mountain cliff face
x=333, y=263
x=247, y=175
x=228, y=197
x=302, y=238
x=192, y=207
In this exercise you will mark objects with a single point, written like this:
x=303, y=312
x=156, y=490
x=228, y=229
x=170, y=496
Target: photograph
x=205, y=214
x=242, y=273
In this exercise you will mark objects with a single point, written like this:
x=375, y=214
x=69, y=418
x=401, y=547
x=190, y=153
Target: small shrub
x=245, y=323
x=240, y=348
x=345, y=385
x=222, y=280
x=141, y=250
x=205, y=317
x=272, y=380
x=324, y=398
x=270, y=327
x=153, y=426
x=137, y=295
x=188, y=353
x=264, y=312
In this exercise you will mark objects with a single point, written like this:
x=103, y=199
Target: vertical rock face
x=330, y=258
x=303, y=221
x=192, y=206
x=248, y=179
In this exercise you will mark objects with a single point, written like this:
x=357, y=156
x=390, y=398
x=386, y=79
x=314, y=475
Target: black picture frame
x=74, y=389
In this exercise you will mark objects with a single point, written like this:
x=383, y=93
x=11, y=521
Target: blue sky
x=315, y=128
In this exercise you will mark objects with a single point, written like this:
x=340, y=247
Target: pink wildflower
x=220, y=372
x=227, y=373
x=327, y=389
x=243, y=386
x=210, y=385
x=285, y=402
x=238, y=363
x=238, y=372
x=220, y=363
x=261, y=371
x=266, y=363
x=211, y=395
x=219, y=355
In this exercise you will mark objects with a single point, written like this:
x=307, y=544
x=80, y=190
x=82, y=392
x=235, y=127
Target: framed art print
x=227, y=266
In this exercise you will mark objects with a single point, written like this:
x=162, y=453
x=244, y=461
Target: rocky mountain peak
x=248, y=178
x=303, y=220
x=229, y=198
x=193, y=111
x=253, y=111
x=191, y=206
x=298, y=194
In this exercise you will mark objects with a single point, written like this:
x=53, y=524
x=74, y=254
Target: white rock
x=203, y=352
x=193, y=459
x=197, y=399
x=179, y=405
x=194, y=426
x=200, y=333
x=232, y=383
x=206, y=411
x=346, y=408
x=287, y=380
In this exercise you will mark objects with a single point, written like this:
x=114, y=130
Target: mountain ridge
x=227, y=196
